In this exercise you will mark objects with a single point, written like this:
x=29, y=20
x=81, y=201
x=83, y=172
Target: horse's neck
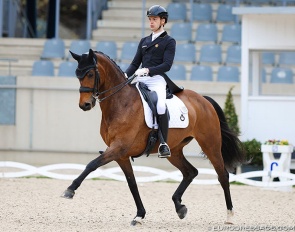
x=121, y=105
x=114, y=80
x=110, y=76
x=111, y=80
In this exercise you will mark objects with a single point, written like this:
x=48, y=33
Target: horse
x=125, y=132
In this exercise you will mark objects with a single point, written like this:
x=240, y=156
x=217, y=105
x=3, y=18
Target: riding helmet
x=158, y=10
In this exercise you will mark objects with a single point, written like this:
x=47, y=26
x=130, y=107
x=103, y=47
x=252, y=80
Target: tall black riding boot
x=163, y=122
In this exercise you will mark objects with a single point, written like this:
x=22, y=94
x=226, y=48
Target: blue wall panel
x=7, y=101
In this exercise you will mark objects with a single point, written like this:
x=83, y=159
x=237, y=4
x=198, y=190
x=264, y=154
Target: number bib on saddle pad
x=177, y=111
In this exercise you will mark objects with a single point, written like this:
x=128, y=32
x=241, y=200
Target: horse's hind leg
x=223, y=178
x=189, y=172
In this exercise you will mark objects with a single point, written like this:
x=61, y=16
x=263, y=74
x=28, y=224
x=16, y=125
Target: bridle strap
x=95, y=92
x=118, y=87
x=85, y=89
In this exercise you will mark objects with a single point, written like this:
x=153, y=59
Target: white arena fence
x=156, y=174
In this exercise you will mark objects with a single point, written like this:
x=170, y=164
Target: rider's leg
x=158, y=84
x=163, y=122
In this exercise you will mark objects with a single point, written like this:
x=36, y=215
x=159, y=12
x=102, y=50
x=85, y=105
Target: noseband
x=80, y=73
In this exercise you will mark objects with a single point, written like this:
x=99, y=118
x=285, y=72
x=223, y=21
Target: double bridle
x=94, y=90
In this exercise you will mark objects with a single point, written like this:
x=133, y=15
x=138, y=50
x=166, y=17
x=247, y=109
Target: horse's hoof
x=136, y=221
x=68, y=194
x=182, y=212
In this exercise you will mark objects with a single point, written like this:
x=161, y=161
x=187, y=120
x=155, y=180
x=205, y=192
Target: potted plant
x=277, y=146
x=254, y=155
x=278, y=152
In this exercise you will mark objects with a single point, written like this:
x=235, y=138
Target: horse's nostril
x=86, y=106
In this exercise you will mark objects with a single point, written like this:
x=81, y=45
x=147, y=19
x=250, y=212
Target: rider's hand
x=142, y=72
x=126, y=75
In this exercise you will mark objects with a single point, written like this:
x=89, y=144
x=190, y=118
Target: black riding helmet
x=158, y=10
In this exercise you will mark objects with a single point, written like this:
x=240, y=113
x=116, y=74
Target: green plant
x=253, y=152
x=230, y=113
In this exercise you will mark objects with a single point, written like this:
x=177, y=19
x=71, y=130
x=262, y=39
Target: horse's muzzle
x=87, y=105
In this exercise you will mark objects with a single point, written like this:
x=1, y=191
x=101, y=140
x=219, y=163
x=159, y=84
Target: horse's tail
x=232, y=149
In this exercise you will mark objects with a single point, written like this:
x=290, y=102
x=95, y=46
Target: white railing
x=157, y=174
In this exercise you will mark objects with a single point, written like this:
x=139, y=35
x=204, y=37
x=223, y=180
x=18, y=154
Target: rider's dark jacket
x=157, y=56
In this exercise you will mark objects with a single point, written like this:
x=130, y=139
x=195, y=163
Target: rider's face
x=155, y=23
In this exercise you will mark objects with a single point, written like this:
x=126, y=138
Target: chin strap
x=159, y=28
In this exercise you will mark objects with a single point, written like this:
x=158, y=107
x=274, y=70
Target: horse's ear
x=76, y=56
x=91, y=55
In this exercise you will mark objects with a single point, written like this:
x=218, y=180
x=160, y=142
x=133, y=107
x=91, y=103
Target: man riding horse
x=101, y=80
x=155, y=54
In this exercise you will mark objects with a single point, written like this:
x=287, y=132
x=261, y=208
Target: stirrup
x=164, y=154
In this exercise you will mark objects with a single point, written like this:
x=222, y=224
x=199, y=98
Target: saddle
x=151, y=98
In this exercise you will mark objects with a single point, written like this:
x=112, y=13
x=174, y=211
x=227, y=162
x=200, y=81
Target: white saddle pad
x=177, y=111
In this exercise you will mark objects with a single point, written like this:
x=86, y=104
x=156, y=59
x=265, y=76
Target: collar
x=151, y=43
x=156, y=35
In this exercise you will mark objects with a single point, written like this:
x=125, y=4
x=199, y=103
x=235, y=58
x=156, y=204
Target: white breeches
x=158, y=84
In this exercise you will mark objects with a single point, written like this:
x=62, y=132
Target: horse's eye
x=90, y=74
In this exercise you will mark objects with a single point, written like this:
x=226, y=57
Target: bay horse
x=125, y=132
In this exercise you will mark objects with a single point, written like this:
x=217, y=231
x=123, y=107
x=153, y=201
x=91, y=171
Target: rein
x=118, y=87
x=94, y=90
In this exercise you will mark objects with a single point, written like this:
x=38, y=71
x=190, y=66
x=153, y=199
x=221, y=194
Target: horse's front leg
x=128, y=171
x=92, y=166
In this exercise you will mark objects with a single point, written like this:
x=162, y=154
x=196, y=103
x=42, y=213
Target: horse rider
x=155, y=54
